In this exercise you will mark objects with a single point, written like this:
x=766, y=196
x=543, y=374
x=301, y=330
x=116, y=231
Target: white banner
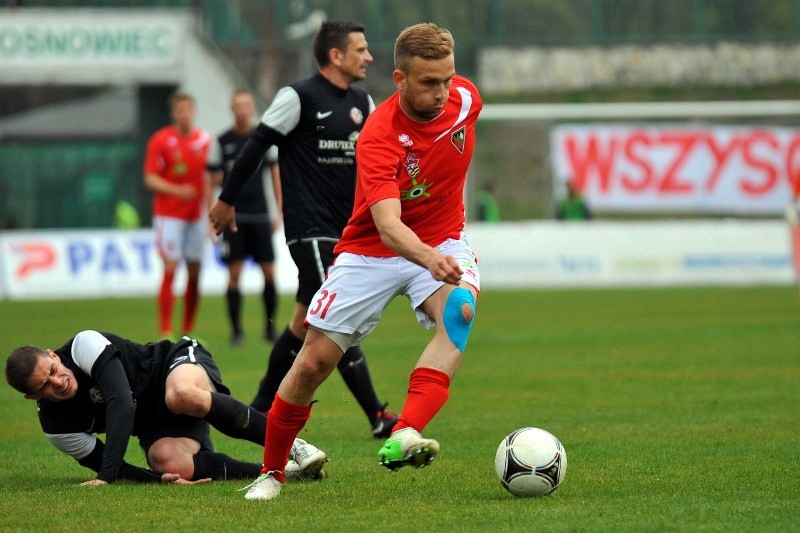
x=642, y=254
x=91, y=46
x=678, y=168
x=113, y=263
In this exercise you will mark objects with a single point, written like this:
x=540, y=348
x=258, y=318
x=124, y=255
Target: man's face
x=51, y=380
x=243, y=108
x=424, y=90
x=355, y=57
x=183, y=115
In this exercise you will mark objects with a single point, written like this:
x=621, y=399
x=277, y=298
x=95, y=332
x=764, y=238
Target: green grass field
x=679, y=410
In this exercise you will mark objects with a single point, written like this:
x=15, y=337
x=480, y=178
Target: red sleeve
x=153, y=162
x=378, y=165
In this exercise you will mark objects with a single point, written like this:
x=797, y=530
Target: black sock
x=280, y=361
x=234, y=299
x=353, y=368
x=219, y=466
x=235, y=419
x=270, y=307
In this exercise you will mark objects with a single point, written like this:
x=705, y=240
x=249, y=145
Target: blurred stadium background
x=85, y=83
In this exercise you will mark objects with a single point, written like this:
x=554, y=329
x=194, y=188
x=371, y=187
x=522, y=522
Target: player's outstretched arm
x=400, y=238
x=176, y=479
x=94, y=483
x=94, y=459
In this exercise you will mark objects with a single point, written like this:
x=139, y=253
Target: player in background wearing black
x=315, y=124
x=254, y=237
x=166, y=394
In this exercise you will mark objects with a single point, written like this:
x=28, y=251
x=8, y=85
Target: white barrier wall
x=656, y=253
x=111, y=263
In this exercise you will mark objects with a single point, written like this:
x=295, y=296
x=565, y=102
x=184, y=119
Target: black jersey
x=121, y=387
x=315, y=125
x=251, y=204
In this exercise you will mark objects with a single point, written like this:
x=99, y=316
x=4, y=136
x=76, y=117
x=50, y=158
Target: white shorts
x=178, y=239
x=359, y=288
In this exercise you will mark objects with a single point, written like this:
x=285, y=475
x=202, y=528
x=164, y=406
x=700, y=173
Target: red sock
x=428, y=390
x=284, y=422
x=191, y=300
x=166, y=300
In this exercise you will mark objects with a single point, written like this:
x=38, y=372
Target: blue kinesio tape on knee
x=457, y=329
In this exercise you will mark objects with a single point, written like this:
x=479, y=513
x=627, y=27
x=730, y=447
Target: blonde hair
x=425, y=40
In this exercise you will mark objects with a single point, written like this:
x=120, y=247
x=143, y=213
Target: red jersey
x=181, y=160
x=423, y=164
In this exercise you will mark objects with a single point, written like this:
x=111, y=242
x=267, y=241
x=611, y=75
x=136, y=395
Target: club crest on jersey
x=356, y=115
x=405, y=140
x=96, y=395
x=412, y=165
x=458, y=138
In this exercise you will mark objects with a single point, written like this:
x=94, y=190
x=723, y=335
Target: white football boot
x=265, y=487
x=309, y=460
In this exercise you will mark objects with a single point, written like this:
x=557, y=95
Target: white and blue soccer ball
x=530, y=462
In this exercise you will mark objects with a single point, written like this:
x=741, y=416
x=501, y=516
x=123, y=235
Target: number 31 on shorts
x=323, y=303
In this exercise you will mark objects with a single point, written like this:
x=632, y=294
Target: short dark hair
x=333, y=34
x=20, y=365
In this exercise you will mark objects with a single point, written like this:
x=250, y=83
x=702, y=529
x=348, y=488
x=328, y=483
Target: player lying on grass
x=164, y=393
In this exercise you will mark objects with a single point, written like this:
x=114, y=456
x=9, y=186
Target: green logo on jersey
x=418, y=190
x=179, y=168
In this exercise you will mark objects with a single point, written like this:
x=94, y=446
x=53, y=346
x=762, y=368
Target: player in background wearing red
x=405, y=236
x=175, y=170
x=793, y=219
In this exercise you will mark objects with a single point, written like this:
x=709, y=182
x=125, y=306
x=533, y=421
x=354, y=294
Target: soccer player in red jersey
x=405, y=236
x=175, y=170
x=793, y=218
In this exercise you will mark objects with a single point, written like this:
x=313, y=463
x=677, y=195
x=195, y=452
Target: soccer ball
x=530, y=462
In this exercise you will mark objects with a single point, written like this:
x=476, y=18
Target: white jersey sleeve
x=283, y=114
x=272, y=154
x=86, y=349
x=76, y=445
x=371, y=103
x=214, y=158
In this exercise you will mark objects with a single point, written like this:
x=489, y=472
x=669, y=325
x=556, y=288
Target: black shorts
x=313, y=258
x=165, y=423
x=176, y=426
x=252, y=239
